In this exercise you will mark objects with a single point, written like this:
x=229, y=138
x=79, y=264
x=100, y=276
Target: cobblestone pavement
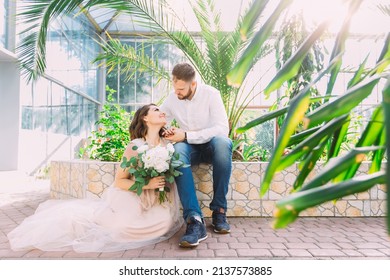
x=250, y=238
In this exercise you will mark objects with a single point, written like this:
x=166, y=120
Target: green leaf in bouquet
x=134, y=148
x=176, y=163
x=139, y=189
x=133, y=187
x=175, y=156
x=134, y=161
x=140, y=179
x=132, y=170
x=124, y=163
x=177, y=173
x=170, y=179
x=154, y=173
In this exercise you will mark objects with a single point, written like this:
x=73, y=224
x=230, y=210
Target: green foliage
x=307, y=132
x=109, y=141
x=246, y=150
x=290, y=37
x=213, y=56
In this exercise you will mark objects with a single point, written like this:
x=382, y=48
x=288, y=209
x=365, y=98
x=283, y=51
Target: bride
x=118, y=221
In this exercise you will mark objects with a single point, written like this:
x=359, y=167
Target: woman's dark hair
x=138, y=127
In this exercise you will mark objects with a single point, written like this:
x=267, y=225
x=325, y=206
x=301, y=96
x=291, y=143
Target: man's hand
x=174, y=134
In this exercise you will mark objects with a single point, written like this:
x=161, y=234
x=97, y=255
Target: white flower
x=142, y=149
x=170, y=148
x=157, y=158
x=161, y=166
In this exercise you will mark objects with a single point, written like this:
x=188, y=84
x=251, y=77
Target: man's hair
x=184, y=72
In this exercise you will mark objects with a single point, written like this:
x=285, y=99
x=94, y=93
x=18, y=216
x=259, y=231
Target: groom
x=202, y=137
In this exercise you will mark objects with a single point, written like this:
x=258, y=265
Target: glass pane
x=262, y=135
x=70, y=50
x=2, y=23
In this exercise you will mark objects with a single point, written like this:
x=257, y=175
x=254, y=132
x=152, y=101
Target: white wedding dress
x=120, y=220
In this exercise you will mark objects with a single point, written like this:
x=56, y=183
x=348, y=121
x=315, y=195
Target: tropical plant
x=108, y=142
x=308, y=132
x=221, y=49
x=246, y=150
x=290, y=36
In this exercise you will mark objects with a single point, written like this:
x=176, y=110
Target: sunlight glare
x=315, y=12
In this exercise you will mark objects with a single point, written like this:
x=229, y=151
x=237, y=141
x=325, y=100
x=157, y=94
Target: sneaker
x=220, y=223
x=196, y=232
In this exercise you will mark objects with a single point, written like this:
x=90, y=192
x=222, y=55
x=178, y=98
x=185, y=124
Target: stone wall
x=80, y=179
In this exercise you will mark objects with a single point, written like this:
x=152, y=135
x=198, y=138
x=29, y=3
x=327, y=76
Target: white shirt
x=203, y=117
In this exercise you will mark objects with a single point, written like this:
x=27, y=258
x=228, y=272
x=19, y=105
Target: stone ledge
x=81, y=178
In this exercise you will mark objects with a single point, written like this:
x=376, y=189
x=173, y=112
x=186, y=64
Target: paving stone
x=254, y=253
x=215, y=246
x=152, y=253
x=133, y=253
x=371, y=245
x=326, y=252
x=206, y=253
x=259, y=245
x=225, y=253
x=301, y=245
x=250, y=238
x=299, y=253
x=372, y=253
x=352, y=253
x=279, y=253
x=278, y=245
x=238, y=246
x=181, y=253
x=328, y=245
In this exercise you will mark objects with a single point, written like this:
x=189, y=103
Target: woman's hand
x=155, y=183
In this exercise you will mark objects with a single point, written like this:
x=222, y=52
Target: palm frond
x=116, y=54
x=37, y=15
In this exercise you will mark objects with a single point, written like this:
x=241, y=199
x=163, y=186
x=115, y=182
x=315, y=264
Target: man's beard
x=189, y=93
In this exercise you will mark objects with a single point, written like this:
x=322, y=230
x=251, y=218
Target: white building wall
x=9, y=111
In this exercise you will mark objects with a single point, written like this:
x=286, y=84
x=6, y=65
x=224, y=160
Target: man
x=202, y=137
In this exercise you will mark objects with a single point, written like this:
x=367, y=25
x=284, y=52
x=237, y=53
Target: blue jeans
x=217, y=152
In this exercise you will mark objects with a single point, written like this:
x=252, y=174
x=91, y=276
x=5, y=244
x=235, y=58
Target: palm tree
x=221, y=51
x=307, y=132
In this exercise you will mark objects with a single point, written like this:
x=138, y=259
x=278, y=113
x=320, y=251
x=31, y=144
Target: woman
x=120, y=220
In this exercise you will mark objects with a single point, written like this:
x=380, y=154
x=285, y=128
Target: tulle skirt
x=120, y=220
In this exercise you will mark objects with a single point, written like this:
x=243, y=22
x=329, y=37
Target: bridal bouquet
x=153, y=162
